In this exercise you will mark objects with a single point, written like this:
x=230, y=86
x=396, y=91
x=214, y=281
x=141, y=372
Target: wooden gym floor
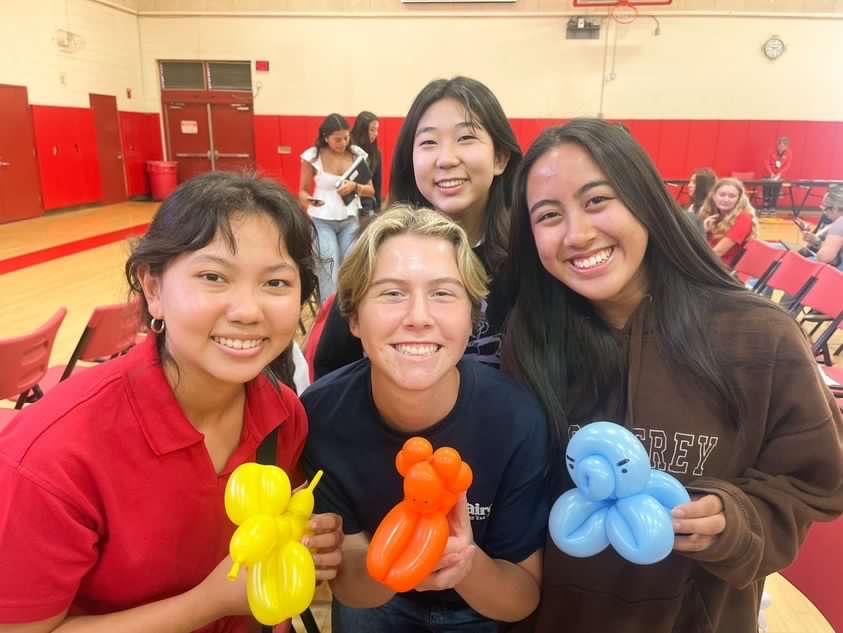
x=92, y=274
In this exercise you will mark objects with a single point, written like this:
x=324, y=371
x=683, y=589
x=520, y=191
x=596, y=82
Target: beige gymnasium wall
x=104, y=56
x=698, y=66
x=345, y=55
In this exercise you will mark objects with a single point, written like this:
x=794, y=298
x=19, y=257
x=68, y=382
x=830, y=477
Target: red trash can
x=163, y=177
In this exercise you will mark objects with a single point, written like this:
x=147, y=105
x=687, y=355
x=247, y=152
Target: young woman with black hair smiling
x=624, y=313
x=112, y=485
x=457, y=154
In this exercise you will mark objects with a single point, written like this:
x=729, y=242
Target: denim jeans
x=408, y=616
x=334, y=238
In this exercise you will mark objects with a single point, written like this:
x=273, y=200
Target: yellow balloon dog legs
x=282, y=575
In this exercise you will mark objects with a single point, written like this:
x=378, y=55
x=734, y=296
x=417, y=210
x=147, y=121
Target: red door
x=234, y=140
x=188, y=138
x=20, y=192
x=109, y=148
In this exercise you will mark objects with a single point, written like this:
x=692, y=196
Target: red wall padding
x=141, y=136
x=66, y=150
x=678, y=146
x=65, y=141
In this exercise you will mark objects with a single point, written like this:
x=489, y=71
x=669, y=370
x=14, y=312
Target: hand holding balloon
x=412, y=537
x=281, y=575
x=325, y=541
x=619, y=499
x=698, y=524
x=456, y=560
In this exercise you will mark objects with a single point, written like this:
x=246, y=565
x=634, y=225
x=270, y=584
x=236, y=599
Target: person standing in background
x=364, y=134
x=778, y=162
x=336, y=222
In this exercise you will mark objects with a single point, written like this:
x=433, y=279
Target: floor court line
x=18, y=262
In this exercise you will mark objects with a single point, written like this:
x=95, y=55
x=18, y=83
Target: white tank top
x=325, y=188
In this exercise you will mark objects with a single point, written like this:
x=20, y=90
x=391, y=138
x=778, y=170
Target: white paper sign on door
x=190, y=127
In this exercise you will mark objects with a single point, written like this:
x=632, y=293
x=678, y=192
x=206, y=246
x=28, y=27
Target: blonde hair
x=355, y=273
x=741, y=206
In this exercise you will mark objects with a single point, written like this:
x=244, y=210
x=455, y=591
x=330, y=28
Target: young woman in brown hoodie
x=624, y=313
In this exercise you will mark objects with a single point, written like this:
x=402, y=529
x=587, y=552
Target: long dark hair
x=202, y=208
x=560, y=345
x=483, y=109
x=332, y=123
x=360, y=137
x=704, y=180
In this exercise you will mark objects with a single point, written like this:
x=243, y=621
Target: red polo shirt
x=739, y=233
x=779, y=163
x=108, y=497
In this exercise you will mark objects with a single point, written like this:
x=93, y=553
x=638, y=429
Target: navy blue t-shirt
x=496, y=425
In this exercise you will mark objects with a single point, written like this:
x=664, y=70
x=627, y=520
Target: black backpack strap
x=266, y=454
x=268, y=449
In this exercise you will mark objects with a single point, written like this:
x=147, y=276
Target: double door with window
x=210, y=136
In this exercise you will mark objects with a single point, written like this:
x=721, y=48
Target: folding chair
x=110, y=332
x=815, y=572
x=759, y=260
x=826, y=296
x=794, y=276
x=24, y=360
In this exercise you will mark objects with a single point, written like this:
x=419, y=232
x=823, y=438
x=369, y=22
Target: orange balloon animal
x=412, y=537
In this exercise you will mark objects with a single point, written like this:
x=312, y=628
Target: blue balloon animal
x=619, y=499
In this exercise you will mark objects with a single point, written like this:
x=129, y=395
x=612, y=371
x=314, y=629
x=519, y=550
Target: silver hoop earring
x=160, y=328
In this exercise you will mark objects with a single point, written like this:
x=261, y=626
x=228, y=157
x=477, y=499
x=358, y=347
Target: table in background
x=789, y=189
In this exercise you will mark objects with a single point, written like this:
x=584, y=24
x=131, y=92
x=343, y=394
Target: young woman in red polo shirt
x=728, y=219
x=111, y=486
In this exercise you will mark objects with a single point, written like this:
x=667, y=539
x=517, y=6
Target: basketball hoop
x=623, y=12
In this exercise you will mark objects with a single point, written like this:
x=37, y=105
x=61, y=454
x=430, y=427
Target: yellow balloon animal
x=282, y=575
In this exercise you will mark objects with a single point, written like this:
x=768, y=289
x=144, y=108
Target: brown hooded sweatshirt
x=777, y=470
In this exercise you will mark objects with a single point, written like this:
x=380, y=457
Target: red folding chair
x=794, y=276
x=826, y=297
x=759, y=260
x=111, y=331
x=816, y=570
x=24, y=360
